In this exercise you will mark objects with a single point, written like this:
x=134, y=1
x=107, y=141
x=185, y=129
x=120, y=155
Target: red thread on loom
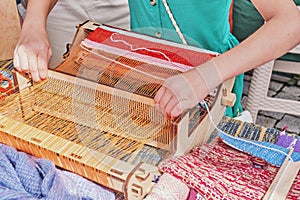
x=185, y=56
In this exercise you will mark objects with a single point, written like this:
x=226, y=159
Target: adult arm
x=33, y=51
x=280, y=33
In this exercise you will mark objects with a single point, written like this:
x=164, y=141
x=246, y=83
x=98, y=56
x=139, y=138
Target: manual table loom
x=95, y=114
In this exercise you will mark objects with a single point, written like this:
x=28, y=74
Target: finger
x=42, y=63
x=33, y=67
x=176, y=111
x=180, y=107
x=16, y=61
x=165, y=98
x=23, y=60
x=171, y=104
x=161, y=111
x=159, y=94
x=49, y=54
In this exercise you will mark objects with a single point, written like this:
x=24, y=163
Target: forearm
x=280, y=33
x=37, y=12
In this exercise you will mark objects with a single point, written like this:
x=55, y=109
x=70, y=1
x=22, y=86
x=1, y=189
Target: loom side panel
x=82, y=32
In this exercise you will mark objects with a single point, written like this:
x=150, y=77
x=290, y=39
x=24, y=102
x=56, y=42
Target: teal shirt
x=203, y=22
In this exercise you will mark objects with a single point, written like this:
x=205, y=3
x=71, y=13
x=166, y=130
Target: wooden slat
x=100, y=87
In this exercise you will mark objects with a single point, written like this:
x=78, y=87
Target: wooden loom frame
x=225, y=98
x=134, y=181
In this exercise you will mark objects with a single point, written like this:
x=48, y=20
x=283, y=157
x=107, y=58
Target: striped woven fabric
x=217, y=171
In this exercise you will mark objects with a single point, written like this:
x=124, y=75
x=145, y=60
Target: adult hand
x=33, y=52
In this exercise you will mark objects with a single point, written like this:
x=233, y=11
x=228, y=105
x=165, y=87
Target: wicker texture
x=257, y=97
